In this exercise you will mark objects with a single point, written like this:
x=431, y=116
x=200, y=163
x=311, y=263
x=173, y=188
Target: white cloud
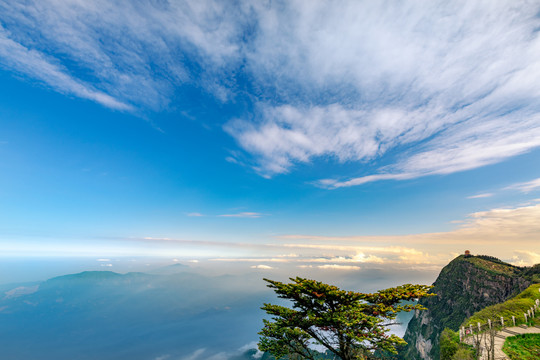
x=334, y=184
x=253, y=259
x=498, y=232
x=501, y=224
x=252, y=345
x=195, y=214
x=252, y=215
x=458, y=141
x=339, y=253
x=443, y=85
x=35, y=64
x=264, y=267
x=291, y=255
x=524, y=258
x=480, y=196
x=131, y=51
x=339, y=267
x=438, y=87
x=526, y=187
x=289, y=134
x=231, y=160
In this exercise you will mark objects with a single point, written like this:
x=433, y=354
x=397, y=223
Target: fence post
x=502, y=321
x=514, y=320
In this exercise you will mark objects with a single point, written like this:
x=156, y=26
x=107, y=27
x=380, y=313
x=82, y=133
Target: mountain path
x=501, y=337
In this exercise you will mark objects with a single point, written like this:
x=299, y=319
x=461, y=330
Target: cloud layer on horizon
x=498, y=232
x=435, y=87
x=508, y=233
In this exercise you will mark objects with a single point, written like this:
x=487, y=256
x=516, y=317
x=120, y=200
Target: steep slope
x=466, y=285
x=515, y=306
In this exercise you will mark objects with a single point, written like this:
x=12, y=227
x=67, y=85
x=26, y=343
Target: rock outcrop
x=466, y=285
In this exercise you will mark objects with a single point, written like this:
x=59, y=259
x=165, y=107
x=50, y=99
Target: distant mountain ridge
x=139, y=316
x=466, y=285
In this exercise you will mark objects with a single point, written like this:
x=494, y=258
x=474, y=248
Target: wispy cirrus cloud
x=525, y=187
x=252, y=215
x=442, y=86
x=37, y=65
x=195, y=214
x=133, y=54
x=480, y=196
x=433, y=88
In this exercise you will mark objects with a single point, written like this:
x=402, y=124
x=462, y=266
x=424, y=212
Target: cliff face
x=466, y=285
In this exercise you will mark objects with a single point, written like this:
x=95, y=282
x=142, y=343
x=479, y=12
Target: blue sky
x=312, y=134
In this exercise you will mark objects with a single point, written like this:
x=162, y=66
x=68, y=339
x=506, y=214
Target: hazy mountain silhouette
x=107, y=315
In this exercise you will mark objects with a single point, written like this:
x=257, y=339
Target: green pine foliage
x=349, y=324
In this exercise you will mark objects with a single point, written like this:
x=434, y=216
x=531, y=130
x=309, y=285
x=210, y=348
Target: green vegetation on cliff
x=523, y=347
x=533, y=273
x=453, y=349
x=515, y=306
x=493, y=265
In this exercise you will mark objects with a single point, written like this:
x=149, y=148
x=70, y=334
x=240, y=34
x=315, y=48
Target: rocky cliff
x=466, y=285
